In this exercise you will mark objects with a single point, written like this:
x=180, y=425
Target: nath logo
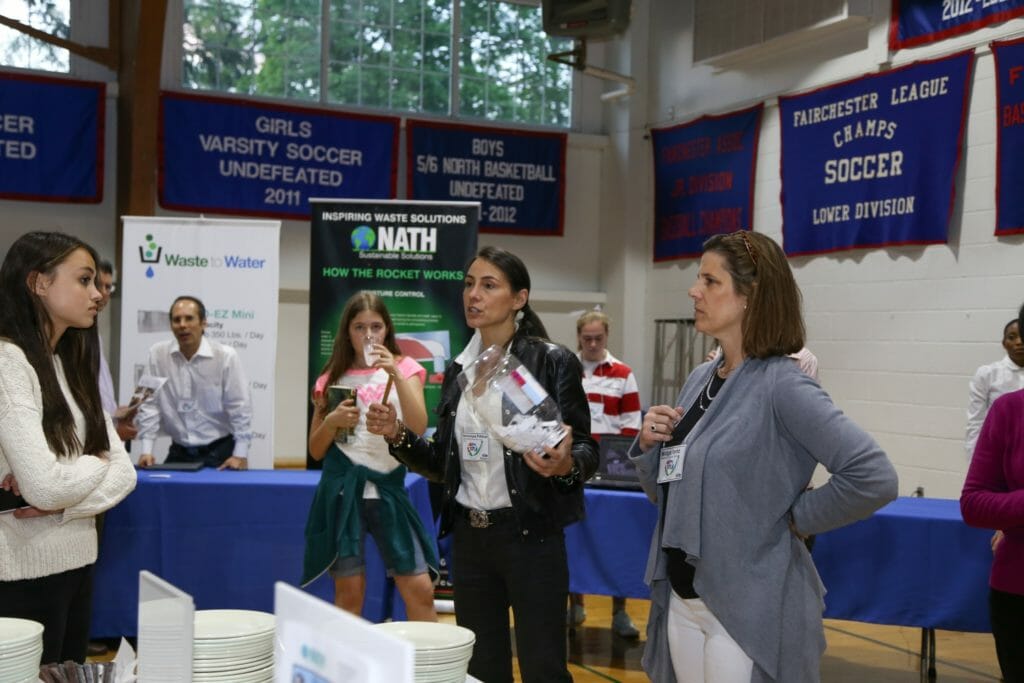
x=363, y=238
x=150, y=253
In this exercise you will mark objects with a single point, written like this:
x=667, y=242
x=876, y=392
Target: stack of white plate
x=21, y=648
x=233, y=645
x=442, y=650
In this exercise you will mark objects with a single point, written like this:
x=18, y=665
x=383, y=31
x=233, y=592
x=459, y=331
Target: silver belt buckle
x=478, y=519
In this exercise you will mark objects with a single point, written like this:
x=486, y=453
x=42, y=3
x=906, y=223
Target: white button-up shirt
x=989, y=383
x=214, y=386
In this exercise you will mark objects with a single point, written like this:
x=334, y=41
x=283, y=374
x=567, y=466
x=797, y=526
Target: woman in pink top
x=993, y=498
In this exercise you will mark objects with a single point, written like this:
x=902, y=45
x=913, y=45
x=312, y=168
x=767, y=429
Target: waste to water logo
x=150, y=253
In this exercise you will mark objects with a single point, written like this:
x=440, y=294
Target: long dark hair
x=343, y=355
x=518, y=278
x=25, y=322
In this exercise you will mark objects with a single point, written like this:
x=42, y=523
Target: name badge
x=596, y=410
x=670, y=464
x=186, y=405
x=475, y=446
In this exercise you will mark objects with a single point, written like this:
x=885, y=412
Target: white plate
x=16, y=632
x=427, y=635
x=215, y=624
x=241, y=666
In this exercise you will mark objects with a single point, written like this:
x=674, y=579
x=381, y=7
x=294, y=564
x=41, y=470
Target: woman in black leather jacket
x=506, y=509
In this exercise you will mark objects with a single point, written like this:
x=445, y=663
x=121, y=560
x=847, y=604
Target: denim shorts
x=354, y=565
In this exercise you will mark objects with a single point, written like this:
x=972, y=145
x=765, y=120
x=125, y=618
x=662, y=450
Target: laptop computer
x=193, y=466
x=614, y=468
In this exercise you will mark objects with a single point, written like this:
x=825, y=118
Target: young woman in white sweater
x=58, y=449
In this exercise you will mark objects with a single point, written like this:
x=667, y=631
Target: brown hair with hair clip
x=772, y=322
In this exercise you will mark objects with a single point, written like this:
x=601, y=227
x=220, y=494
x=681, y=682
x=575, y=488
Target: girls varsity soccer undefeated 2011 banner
x=872, y=161
x=703, y=180
x=917, y=22
x=1009, y=59
x=412, y=255
x=224, y=155
x=51, y=139
x=518, y=176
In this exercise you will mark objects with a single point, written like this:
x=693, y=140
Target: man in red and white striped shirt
x=614, y=409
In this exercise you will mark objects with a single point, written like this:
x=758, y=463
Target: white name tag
x=475, y=446
x=596, y=410
x=670, y=464
x=186, y=405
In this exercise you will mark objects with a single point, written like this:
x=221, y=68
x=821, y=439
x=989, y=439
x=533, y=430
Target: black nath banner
x=224, y=155
x=412, y=255
x=51, y=139
x=872, y=161
x=518, y=176
x=918, y=22
x=703, y=180
x=1009, y=59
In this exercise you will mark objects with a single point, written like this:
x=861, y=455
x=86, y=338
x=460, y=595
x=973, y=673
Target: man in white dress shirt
x=992, y=381
x=205, y=406
x=123, y=418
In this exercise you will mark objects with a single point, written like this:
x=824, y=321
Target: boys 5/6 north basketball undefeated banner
x=412, y=255
x=518, y=176
x=703, y=180
x=872, y=161
x=1009, y=59
x=918, y=22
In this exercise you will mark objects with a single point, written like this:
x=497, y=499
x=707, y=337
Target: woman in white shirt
x=58, y=449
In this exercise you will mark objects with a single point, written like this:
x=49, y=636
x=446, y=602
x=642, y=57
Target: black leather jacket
x=542, y=505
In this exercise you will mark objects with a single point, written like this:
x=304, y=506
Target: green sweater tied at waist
x=332, y=532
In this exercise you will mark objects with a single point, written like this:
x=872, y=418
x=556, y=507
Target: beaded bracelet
x=395, y=441
x=568, y=479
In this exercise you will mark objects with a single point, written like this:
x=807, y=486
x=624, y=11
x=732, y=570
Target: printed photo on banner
x=412, y=255
x=703, y=180
x=223, y=155
x=517, y=176
x=872, y=161
x=1009, y=63
x=51, y=139
x=919, y=22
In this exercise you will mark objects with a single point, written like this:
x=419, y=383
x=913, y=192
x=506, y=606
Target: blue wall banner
x=51, y=139
x=223, y=155
x=703, y=180
x=872, y=161
x=518, y=176
x=1009, y=58
x=918, y=22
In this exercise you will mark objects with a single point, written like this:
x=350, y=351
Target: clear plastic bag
x=528, y=419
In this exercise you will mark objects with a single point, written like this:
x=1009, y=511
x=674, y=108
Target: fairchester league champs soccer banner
x=51, y=139
x=223, y=155
x=412, y=255
x=918, y=22
x=1009, y=62
x=232, y=266
x=518, y=176
x=872, y=161
x=703, y=180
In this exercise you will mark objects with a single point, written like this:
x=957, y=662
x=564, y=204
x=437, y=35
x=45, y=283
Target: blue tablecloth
x=223, y=537
x=608, y=549
x=912, y=563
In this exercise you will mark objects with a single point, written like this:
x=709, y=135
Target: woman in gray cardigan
x=734, y=593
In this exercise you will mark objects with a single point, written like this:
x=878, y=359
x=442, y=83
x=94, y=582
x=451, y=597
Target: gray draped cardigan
x=748, y=461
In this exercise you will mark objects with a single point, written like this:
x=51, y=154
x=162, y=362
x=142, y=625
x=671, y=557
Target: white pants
x=701, y=649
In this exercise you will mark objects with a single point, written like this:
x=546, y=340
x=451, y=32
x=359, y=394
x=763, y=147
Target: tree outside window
x=19, y=50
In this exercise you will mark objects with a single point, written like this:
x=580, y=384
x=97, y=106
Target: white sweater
x=78, y=487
